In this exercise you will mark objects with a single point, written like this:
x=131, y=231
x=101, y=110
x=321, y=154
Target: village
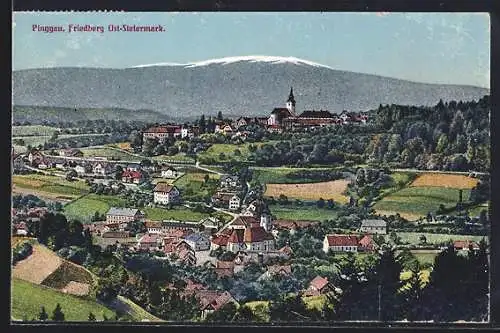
x=241, y=228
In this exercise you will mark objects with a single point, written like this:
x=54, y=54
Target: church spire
x=290, y=97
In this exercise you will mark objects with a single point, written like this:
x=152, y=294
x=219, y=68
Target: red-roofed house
x=465, y=245
x=340, y=243
x=215, y=301
x=224, y=268
x=258, y=239
x=366, y=244
x=235, y=241
x=149, y=242
x=135, y=177
x=162, y=132
x=318, y=286
x=280, y=270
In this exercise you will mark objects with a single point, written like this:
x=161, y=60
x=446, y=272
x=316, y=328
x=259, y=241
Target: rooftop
x=131, y=212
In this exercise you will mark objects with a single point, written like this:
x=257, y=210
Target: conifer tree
x=57, y=314
x=43, y=316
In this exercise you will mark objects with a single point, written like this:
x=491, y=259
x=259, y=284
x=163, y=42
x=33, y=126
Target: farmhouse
x=135, y=177
x=153, y=227
x=212, y=300
x=366, y=244
x=34, y=156
x=374, y=227
x=340, y=243
x=165, y=194
x=224, y=268
x=80, y=169
x=123, y=215
x=198, y=241
x=169, y=172
x=133, y=167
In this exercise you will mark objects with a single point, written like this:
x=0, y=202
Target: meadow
x=109, y=153
x=33, y=130
x=304, y=213
x=334, y=189
x=417, y=201
x=50, y=184
x=278, y=175
x=27, y=298
x=414, y=237
x=85, y=207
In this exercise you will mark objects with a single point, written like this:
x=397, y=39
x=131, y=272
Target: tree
x=320, y=203
x=91, y=317
x=118, y=172
x=57, y=314
x=219, y=115
x=423, y=239
x=43, y=316
x=71, y=175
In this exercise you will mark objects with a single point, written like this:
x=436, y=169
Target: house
x=242, y=121
x=374, y=227
x=230, y=182
x=35, y=156
x=213, y=300
x=61, y=166
x=198, y=241
x=21, y=229
x=258, y=239
x=169, y=172
x=149, y=242
x=465, y=245
x=224, y=268
x=172, y=225
x=234, y=202
x=162, y=132
x=366, y=244
x=277, y=270
x=71, y=152
x=287, y=250
x=80, y=169
x=153, y=227
x=135, y=177
x=340, y=243
x=190, y=131
x=165, y=194
x=226, y=200
x=102, y=169
x=43, y=164
x=235, y=242
x=133, y=167
x=318, y=286
x=219, y=241
x=123, y=215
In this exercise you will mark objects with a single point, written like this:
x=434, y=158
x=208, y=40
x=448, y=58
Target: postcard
x=250, y=167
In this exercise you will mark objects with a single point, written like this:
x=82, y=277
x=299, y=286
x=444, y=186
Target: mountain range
x=249, y=85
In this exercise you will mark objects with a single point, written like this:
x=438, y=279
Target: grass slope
x=305, y=213
x=85, y=207
x=27, y=298
x=109, y=153
x=50, y=184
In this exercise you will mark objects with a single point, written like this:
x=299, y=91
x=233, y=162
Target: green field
x=305, y=213
x=37, y=130
x=35, y=141
x=84, y=208
x=109, y=153
x=214, y=151
x=180, y=157
x=414, y=237
x=50, y=184
x=418, y=201
x=27, y=298
x=193, y=187
x=279, y=175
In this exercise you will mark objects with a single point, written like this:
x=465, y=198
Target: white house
x=169, y=172
x=101, y=169
x=80, y=169
x=165, y=194
x=340, y=243
x=234, y=202
x=198, y=241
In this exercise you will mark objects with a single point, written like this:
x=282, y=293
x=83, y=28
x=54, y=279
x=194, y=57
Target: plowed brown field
x=445, y=180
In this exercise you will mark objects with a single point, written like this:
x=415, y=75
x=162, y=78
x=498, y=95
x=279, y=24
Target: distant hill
x=38, y=114
x=251, y=85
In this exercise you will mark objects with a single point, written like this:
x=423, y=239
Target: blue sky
x=425, y=47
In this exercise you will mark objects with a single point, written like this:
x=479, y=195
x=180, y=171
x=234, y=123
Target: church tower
x=290, y=103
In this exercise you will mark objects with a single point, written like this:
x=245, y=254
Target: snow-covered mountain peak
x=251, y=59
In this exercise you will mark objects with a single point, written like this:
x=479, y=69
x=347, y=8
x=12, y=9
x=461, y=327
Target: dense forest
x=448, y=136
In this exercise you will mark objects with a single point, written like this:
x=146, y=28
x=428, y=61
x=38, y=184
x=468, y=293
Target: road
x=197, y=165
